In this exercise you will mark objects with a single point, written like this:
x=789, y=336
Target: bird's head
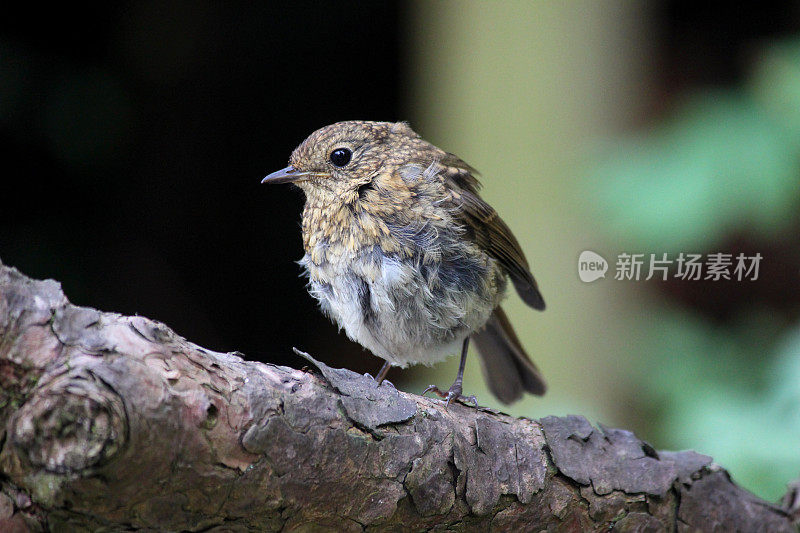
x=337, y=161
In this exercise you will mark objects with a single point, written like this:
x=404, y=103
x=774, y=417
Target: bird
x=404, y=255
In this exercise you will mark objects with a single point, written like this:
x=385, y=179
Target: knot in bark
x=73, y=423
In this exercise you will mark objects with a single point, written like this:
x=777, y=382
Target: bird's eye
x=341, y=156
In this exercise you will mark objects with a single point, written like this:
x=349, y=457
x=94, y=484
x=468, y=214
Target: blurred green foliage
x=724, y=159
x=723, y=163
x=727, y=397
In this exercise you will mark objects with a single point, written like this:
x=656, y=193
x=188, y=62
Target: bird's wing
x=485, y=227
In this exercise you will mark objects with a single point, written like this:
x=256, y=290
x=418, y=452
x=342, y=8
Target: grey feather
x=506, y=367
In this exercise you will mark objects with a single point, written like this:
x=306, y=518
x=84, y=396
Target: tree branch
x=110, y=422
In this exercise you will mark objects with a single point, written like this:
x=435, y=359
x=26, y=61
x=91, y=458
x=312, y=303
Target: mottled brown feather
x=487, y=229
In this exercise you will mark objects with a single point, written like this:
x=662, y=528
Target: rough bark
x=111, y=422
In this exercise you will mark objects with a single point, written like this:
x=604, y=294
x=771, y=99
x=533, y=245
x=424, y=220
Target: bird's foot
x=453, y=393
x=379, y=383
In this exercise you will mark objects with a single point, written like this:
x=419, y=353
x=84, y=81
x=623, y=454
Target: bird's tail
x=507, y=369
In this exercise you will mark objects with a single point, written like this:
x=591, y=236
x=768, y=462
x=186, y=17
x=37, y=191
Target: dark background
x=134, y=138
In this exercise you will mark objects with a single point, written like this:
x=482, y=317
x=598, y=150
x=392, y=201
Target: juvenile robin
x=402, y=252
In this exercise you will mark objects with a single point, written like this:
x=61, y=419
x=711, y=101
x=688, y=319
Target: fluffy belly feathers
x=407, y=313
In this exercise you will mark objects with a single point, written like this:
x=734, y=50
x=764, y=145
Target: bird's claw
x=471, y=398
x=379, y=383
x=434, y=389
x=453, y=393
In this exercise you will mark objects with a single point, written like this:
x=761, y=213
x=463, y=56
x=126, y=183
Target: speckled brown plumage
x=405, y=256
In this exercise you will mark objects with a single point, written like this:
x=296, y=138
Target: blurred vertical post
x=521, y=90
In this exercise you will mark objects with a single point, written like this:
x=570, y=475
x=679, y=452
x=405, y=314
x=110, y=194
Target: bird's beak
x=285, y=175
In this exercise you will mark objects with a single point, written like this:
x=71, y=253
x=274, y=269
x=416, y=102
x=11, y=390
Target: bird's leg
x=382, y=372
x=454, y=392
